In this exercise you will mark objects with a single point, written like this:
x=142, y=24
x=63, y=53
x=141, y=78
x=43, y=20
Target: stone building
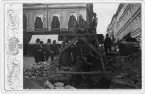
x=126, y=20
x=112, y=28
x=49, y=17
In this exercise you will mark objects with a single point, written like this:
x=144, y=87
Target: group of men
x=42, y=52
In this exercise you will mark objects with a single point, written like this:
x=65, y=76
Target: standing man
x=107, y=44
x=37, y=51
x=42, y=55
x=54, y=48
x=49, y=52
x=94, y=23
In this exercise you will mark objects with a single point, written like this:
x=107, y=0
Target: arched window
x=55, y=22
x=72, y=20
x=38, y=25
x=24, y=22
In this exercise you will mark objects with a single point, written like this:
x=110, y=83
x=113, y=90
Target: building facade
x=126, y=20
x=48, y=17
x=112, y=28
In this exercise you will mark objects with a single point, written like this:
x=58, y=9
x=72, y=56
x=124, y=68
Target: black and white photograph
x=72, y=46
x=94, y=45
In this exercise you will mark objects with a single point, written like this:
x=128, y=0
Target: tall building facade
x=126, y=20
x=112, y=28
x=49, y=17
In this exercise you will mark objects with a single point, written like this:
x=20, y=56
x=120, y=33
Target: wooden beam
x=125, y=83
x=57, y=32
x=69, y=44
x=60, y=33
x=70, y=72
x=94, y=48
x=77, y=35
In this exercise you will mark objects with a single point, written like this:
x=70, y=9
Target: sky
x=105, y=12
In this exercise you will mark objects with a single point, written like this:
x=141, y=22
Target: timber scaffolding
x=85, y=39
x=74, y=38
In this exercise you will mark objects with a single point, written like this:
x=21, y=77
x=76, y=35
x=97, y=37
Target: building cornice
x=136, y=32
x=53, y=6
x=125, y=11
x=129, y=21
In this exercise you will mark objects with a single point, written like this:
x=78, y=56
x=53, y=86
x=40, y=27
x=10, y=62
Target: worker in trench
x=87, y=63
x=77, y=67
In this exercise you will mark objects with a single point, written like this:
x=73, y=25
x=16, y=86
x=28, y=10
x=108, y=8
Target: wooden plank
x=78, y=35
x=103, y=66
x=48, y=32
x=70, y=72
x=125, y=83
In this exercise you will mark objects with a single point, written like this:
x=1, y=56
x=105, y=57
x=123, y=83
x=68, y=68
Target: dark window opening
x=55, y=24
x=72, y=22
x=38, y=23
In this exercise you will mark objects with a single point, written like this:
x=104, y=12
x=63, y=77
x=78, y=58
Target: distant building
x=127, y=19
x=49, y=17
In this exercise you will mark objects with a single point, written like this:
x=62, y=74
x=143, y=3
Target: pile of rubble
x=43, y=69
x=57, y=85
x=129, y=71
x=45, y=73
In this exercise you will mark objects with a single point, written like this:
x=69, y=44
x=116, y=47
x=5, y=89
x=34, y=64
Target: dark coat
x=37, y=49
x=42, y=54
x=47, y=49
x=107, y=42
x=38, y=53
x=54, y=48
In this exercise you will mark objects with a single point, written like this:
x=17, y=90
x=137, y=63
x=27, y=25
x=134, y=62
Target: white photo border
x=13, y=47
x=13, y=44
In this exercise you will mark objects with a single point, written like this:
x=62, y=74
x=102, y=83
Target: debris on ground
x=45, y=72
x=126, y=73
x=57, y=85
x=43, y=69
x=48, y=84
